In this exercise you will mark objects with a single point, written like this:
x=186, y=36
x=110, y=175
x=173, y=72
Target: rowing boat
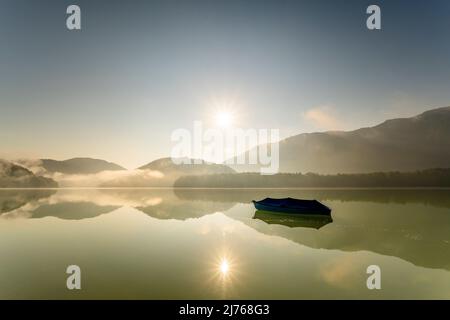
x=290, y=205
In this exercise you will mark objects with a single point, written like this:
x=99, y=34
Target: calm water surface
x=210, y=244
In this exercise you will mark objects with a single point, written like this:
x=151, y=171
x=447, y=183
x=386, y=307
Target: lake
x=210, y=244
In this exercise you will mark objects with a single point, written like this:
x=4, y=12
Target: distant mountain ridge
x=397, y=145
x=194, y=167
x=15, y=176
x=404, y=144
x=79, y=166
x=164, y=172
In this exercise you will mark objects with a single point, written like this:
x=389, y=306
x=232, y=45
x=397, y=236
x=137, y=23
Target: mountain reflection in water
x=412, y=225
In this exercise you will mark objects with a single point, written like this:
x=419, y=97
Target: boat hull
x=323, y=210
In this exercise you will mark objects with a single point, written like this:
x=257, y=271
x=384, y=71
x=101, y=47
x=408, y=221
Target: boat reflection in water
x=293, y=220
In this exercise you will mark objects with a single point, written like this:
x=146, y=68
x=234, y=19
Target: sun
x=224, y=267
x=224, y=119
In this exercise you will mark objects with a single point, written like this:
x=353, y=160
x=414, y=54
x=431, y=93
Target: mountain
x=196, y=167
x=15, y=176
x=405, y=144
x=164, y=172
x=79, y=166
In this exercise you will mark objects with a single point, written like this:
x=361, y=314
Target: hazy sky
x=140, y=69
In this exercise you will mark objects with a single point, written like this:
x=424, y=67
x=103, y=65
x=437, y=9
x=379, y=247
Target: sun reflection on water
x=224, y=273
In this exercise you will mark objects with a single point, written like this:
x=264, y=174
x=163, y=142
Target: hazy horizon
x=24, y=160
